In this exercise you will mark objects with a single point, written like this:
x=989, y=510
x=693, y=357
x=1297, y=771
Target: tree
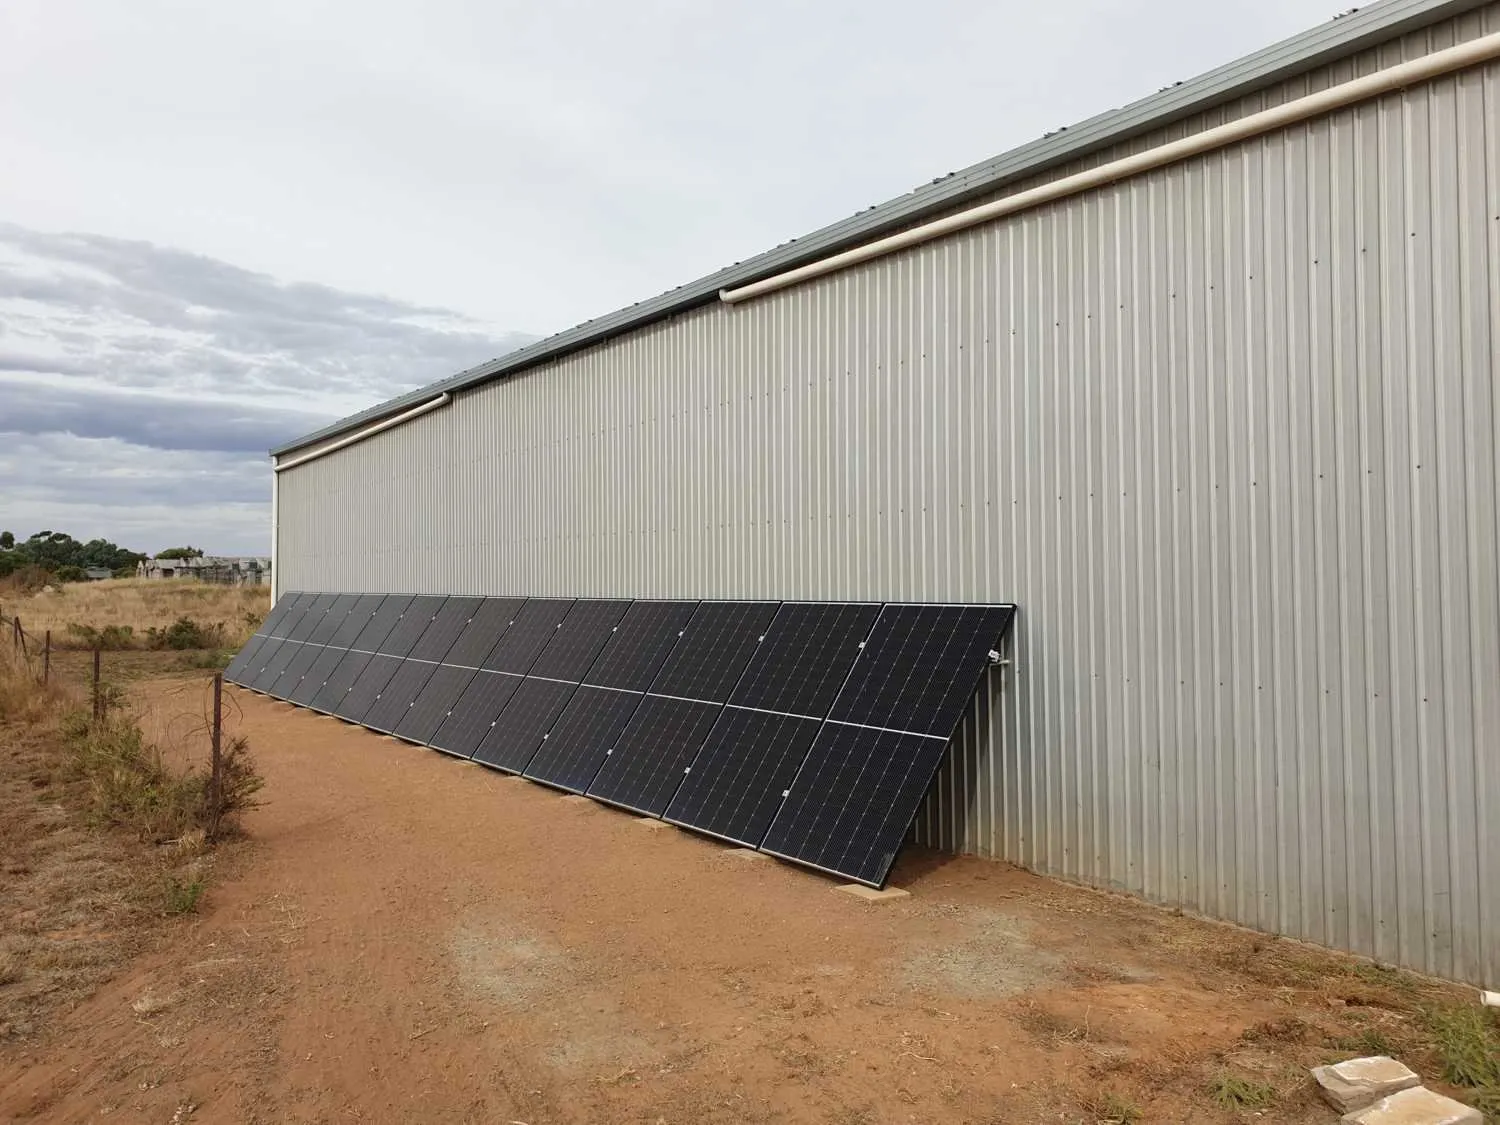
x=7, y=541
x=180, y=553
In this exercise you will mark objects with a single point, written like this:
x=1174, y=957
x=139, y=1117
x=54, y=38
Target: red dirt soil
x=406, y=937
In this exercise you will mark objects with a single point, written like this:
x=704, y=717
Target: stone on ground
x=1356, y=1083
x=1417, y=1106
x=870, y=894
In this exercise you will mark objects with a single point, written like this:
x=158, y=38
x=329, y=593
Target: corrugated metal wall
x=1225, y=431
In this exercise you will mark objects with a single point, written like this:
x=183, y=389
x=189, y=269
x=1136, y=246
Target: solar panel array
x=809, y=730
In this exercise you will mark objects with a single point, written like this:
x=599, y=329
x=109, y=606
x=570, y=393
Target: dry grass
x=140, y=605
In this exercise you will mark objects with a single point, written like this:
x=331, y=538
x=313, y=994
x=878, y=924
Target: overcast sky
x=222, y=225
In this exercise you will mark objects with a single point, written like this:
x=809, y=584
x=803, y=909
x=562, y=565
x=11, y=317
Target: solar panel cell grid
x=413, y=622
x=337, y=611
x=661, y=740
x=716, y=645
x=278, y=611
x=381, y=622
x=292, y=674
x=475, y=713
x=354, y=622
x=316, y=611
x=851, y=806
x=396, y=698
x=523, y=724
x=273, y=662
x=235, y=671
x=483, y=630
x=367, y=687
x=734, y=786
x=316, y=676
x=581, y=738
x=534, y=625
x=805, y=657
x=578, y=640
x=291, y=616
x=433, y=704
x=920, y=667
x=639, y=644
x=339, y=681
x=447, y=624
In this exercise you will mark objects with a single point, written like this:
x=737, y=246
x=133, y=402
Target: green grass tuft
x=1233, y=1092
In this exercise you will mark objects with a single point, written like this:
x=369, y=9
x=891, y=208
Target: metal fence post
x=47, y=658
x=216, y=775
x=98, y=703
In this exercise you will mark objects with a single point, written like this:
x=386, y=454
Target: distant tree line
x=66, y=559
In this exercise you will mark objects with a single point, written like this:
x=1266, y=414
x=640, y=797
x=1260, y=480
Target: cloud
x=141, y=386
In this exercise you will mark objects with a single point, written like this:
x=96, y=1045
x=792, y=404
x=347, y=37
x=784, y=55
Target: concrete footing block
x=1416, y=1106
x=870, y=894
x=576, y=799
x=745, y=853
x=1490, y=999
x=651, y=822
x=1356, y=1083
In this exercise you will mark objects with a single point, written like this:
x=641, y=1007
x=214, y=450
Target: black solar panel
x=244, y=659
x=920, y=667
x=317, y=609
x=293, y=614
x=367, y=687
x=805, y=657
x=381, y=622
x=316, y=676
x=414, y=621
x=639, y=644
x=579, y=741
x=851, y=806
x=282, y=607
x=433, y=703
x=473, y=716
x=533, y=626
x=292, y=674
x=337, y=612
x=579, y=639
x=274, y=657
x=717, y=642
x=736, y=783
x=523, y=724
x=339, y=681
x=396, y=698
x=356, y=620
x=447, y=624
x=489, y=622
x=661, y=739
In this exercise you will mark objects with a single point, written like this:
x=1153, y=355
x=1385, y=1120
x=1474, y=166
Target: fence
x=36, y=659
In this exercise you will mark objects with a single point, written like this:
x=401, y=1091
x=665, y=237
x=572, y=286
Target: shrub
x=182, y=895
x=71, y=574
x=111, y=638
x=185, y=633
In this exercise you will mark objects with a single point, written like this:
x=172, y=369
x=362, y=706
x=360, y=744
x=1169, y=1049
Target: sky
x=224, y=225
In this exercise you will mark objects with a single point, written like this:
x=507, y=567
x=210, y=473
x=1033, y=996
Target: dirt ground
x=406, y=937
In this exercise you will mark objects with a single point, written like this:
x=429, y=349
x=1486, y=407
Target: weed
x=111, y=638
x=185, y=633
x=1109, y=1108
x=213, y=659
x=1369, y=1041
x=1288, y=1029
x=1233, y=1092
x=182, y=896
x=1468, y=1043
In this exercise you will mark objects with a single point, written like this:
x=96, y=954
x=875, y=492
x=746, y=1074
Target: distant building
x=97, y=573
x=233, y=571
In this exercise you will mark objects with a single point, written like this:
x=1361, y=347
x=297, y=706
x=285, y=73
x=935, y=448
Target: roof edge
x=1328, y=42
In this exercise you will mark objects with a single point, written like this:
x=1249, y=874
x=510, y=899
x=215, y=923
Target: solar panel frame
x=644, y=768
x=447, y=624
x=359, y=616
x=323, y=632
x=522, y=727
x=582, y=736
x=236, y=667
x=396, y=698
x=484, y=630
x=292, y=615
x=416, y=618
x=274, y=663
x=312, y=617
x=381, y=622
x=736, y=783
x=295, y=668
x=475, y=713
x=578, y=639
x=639, y=644
x=367, y=686
x=717, y=645
x=339, y=682
x=317, y=676
x=279, y=611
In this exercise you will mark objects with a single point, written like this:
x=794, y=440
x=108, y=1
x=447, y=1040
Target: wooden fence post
x=98, y=703
x=216, y=774
x=47, y=658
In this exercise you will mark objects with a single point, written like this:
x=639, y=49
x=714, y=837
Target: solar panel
x=396, y=698
x=520, y=728
x=639, y=644
x=475, y=713
x=381, y=622
x=317, y=609
x=717, y=642
x=849, y=809
x=581, y=738
x=339, y=681
x=645, y=766
x=292, y=674
x=805, y=658
x=255, y=664
x=578, y=640
x=340, y=608
x=367, y=687
x=736, y=783
x=316, y=676
x=293, y=614
x=235, y=670
x=534, y=624
x=282, y=607
x=484, y=629
x=273, y=662
x=415, y=618
x=921, y=666
x=447, y=624
x=356, y=620
x=434, y=703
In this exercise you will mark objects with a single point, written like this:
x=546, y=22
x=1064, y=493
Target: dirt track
x=406, y=937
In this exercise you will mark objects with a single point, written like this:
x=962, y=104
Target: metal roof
x=1340, y=37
